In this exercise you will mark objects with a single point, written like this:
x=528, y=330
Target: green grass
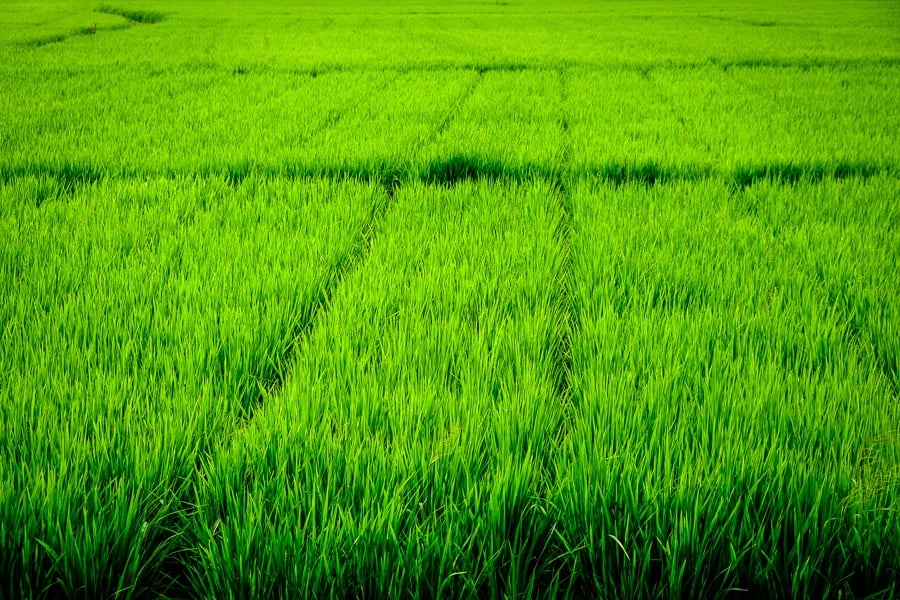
x=411, y=299
x=399, y=452
x=135, y=16
x=734, y=405
x=147, y=319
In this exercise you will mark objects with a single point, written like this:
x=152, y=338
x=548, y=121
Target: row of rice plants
x=186, y=122
x=620, y=127
x=139, y=322
x=847, y=242
x=786, y=122
x=408, y=450
x=729, y=431
x=203, y=123
x=386, y=131
x=744, y=124
x=509, y=126
x=411, y=34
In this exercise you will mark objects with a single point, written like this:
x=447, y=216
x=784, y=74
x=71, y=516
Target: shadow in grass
x=647, y=172
x=451, y=170
x=805, y=64
x=49, y=183
x=739, y=21
x=144, y=17
x=789, y=172
x=760, y=23
x=47, y=40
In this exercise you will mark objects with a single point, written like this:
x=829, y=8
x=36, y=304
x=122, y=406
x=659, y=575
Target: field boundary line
x=451, y=115
x=308, y=320
x=565, y=237
x=802, y=64
x=68, y=179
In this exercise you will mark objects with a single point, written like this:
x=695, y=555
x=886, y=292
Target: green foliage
x=135, y=16
x=405, y=300
x=141, y=321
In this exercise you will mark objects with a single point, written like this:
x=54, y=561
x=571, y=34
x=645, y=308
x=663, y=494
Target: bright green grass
x=141, y=321
x=279, y=35
x=741, y=124
x=733, y=427
x=407, y=453
x=410, y=299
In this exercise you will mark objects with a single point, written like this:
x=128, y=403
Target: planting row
x=518, y=388
x=139, y=321
x=681, y=124
x=735, y=380
x=418, y=33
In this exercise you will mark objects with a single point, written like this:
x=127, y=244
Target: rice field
x=449, y=300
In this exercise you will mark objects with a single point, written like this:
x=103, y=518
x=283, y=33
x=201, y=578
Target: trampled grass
x=411, y=299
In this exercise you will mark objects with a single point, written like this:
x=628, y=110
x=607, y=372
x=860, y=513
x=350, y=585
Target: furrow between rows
x=565, y=233
x=303, y=323
x=147, y=317
x=42, y=184
x=416, y=426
